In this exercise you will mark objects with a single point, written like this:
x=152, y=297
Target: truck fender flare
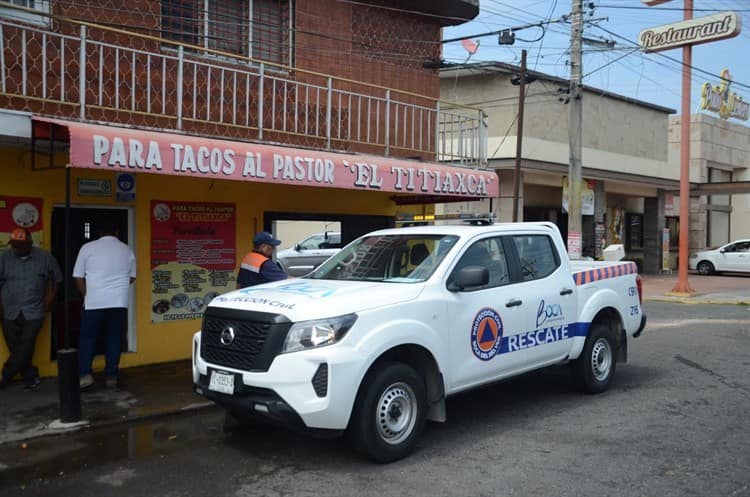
x=604, y=302
x=414, y=343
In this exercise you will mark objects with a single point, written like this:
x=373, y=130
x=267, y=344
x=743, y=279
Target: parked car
x=734, y=256
x=309, y=253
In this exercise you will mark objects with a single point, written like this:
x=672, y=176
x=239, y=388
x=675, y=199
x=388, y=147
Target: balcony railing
x=94, y=73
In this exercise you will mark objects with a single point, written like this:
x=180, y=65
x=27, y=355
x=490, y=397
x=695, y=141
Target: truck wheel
x=705, y=268
x=389, y=413
x=595, y=367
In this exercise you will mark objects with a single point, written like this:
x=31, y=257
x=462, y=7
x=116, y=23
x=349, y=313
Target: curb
x=697, y=300
x=108, y=423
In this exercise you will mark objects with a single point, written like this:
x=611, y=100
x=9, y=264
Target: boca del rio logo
x=486, y=334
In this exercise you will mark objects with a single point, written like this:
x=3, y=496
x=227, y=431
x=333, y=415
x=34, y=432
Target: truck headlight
x=317, y=333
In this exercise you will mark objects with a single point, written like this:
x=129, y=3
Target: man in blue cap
x=257, y=266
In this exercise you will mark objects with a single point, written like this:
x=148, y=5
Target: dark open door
x=85, y=225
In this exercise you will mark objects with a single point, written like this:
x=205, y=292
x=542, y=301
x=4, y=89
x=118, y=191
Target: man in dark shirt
x=257, y=266
x=29, y=277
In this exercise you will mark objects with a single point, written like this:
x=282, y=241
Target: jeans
x=20, y=337
x=112, y=321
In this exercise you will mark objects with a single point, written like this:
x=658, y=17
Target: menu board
x=193, y=257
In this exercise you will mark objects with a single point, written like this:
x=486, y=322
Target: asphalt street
x=674, y=423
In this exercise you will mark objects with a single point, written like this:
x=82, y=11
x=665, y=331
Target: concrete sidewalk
x=725, y=289
x=144, y=392
x=164, y=389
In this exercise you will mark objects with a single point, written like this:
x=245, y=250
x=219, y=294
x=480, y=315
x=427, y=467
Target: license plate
x=221, y=382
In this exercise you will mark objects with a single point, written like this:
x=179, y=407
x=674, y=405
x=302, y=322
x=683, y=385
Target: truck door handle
x=566, y=291
x=513, y=303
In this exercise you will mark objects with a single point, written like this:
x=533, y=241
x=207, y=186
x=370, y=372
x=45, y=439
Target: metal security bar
x=84, y=71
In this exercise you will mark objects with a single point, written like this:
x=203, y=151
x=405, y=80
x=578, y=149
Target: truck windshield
x=390, y=258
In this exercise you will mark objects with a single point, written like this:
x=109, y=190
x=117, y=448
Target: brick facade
x=364, y=45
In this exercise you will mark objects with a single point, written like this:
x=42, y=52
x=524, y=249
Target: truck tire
x=595, y=367
x=389, y=413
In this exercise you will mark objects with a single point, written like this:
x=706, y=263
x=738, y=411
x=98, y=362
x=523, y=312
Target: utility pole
x=575, y=132
x=519, y=134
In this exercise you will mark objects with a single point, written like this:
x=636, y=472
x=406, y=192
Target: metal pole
x=82, y=75
x=682, y=285
x=67, y=358
x=519, y=135
x=180, y=68
x=575, y=132
x=388, y=122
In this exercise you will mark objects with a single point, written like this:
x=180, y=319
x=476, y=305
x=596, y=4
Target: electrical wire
x=677, y=61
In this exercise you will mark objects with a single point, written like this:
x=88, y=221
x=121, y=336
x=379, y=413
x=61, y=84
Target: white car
x=734, y=256
x=309, y=253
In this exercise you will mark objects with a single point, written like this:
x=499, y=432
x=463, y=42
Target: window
x=634, y=232
x=487, y=253
x=537, y=256
x=387, y=258
x=257, y=28
x=38, y=5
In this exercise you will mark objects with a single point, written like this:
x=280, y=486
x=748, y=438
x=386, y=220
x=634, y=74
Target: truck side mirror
x=297, y=247
x=469, y=276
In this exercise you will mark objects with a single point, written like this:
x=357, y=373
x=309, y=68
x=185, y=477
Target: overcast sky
x=623, y=70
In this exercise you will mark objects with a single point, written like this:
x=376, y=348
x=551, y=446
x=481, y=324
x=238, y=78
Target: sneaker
x=86, y=381
x=110, y=382
x=34, y=383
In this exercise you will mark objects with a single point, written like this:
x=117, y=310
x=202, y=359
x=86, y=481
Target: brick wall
x=364, y=44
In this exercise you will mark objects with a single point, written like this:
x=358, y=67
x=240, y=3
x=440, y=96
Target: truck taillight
x=639, y=284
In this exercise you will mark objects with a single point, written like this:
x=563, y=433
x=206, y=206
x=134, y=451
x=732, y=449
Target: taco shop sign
x=691, y=32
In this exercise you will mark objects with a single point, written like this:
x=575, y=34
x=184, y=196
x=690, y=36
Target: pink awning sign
x=124, y=149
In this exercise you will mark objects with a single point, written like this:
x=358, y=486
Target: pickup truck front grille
x=248, y=341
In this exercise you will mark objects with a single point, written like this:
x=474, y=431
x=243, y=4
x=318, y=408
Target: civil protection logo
x=486, y=334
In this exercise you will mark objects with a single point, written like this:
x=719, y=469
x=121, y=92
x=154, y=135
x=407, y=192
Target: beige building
x=626, y=164
x=719, y=176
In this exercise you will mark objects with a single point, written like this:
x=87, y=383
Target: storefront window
x=634, y=228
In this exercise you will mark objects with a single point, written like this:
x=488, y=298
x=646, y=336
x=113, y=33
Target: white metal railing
x=153, y=82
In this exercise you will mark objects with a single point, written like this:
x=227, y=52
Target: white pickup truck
x=372, y=342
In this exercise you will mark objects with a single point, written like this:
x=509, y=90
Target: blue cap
x=265, y=237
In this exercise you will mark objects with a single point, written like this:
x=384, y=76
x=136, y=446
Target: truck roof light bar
x=477, y=219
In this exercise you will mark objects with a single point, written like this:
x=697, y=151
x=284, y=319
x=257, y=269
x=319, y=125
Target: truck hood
x=304, y=299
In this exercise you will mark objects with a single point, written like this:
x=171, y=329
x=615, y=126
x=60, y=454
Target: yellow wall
x=169, y=341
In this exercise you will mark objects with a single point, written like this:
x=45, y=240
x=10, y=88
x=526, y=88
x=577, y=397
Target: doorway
x=85, y=224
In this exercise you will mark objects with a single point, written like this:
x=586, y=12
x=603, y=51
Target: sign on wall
x=691, y=32
x=721, y=100
x=125, y=187
x=20, y=212
x=193, y=254
x=587, y=196
x=94, y=187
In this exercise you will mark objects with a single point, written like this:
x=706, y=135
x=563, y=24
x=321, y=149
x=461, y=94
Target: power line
x=644, y=7
x=697, y=69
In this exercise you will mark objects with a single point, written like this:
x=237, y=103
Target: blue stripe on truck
x=550, y=334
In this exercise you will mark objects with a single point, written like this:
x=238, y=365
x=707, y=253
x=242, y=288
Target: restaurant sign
x=690, y=32
x=722, y=101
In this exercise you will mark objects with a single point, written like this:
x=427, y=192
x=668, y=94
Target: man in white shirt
x=104, y=271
